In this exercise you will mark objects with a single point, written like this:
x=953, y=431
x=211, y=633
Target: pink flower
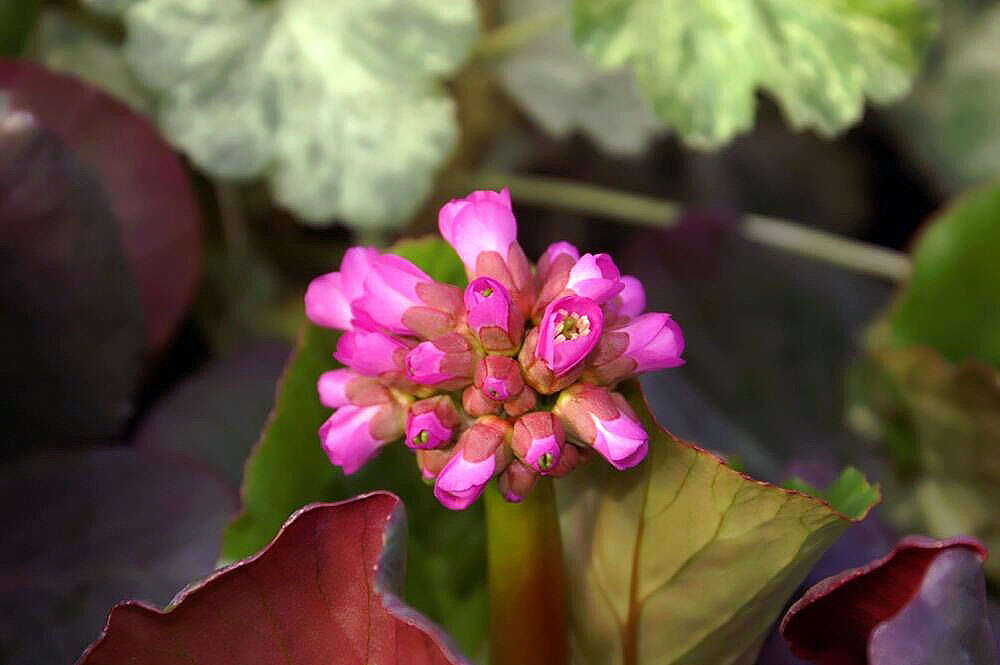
x=481, y=222
x=447, y=362
x=538, y=440
x=497, y=324
x=629, y=303
x=354, y=434
x=431, y=423
x=568, y=332
x=595, y=276
x=479, y=455
x=403, y=299
x=558, y=257
x=499, y=377
x=604, y=421
x=329, y=297
x=650, y=342
x=370, y=353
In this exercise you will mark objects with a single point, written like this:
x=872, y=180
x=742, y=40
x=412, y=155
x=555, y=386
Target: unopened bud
x=603, y=420
x=492, y=316
x=482, y=451
x=477, y=404
x=499, y=377
x=526, y=400
x=517, y=481
x=538, y=440
x=649, y=342
x=446, y=362
x=431, y=422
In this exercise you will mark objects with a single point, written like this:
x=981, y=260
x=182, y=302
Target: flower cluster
x=512, y=378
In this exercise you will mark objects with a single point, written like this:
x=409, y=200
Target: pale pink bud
x=403, y=299
x=431, y=422
x=568, y=332
x=524, y=402
x=329, y=297
x=446, y=362
x=340, y=387
x=559, y=257
x=650, y=342
x=480, y=454
x=537, y=373
x=477, y=404
x=494, y=319
x=354, y=434
x=499, y=377
x=604, y=421
x=628, y=304
x=595, y=276
x=538, y=440
x=371, y=353
x=516, y=481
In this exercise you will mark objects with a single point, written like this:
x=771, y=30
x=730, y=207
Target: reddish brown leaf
x=832, y=624
x=143, y=178
x=323, y=592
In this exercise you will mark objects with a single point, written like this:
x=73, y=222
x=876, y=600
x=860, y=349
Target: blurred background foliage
x=173, y=172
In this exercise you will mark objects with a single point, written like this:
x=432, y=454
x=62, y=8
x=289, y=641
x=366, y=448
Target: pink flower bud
x=477, y=404
x=559, y=257
x=481, y=222
x=403, y=299
x=572, y=457
x=354, y=434
x=651, y=341
x=595, y=276
x=537, y=373
x=329, y=297
x=497, y=324
x=480, y=454
x=499, y=377
x=431, y=422
x=446, y=362
x=569, y=331
x=538, y=440
x=341, y=387
x=371, y=353
x=604, y=421
x=516, y=481
x=524, y=402
x=628, y=304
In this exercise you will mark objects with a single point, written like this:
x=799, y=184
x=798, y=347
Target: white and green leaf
x=338, y=103
x=701, y=62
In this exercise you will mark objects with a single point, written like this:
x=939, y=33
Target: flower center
x=570, y=325
x=422, y=437
x=545, y=461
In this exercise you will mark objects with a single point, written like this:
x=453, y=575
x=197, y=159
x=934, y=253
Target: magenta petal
x=655, y=341
x=423, y=364
x=560, y=353
x=595, y=276
x=367, y=352
x=553, y=251
x=461, y=482
x=332, y=387
x=326, y=303
x=481, y=222
x=548, y=445
x=347, y=439
x=622, y=441
x=488, y=303
x=437, y=433
x=389, y=290
x=631, y=300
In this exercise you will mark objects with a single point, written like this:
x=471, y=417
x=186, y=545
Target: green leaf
x=288, y=469
x=563, y=90
x=948, y=416
x=700, y=62
x=952, y=301
x=17, y=17
x=336, y=102
x=684, y=560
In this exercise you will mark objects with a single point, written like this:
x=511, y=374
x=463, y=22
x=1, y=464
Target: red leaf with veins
x=323, y=592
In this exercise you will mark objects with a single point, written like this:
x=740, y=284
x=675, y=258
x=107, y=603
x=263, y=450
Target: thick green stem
x=528, y=607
